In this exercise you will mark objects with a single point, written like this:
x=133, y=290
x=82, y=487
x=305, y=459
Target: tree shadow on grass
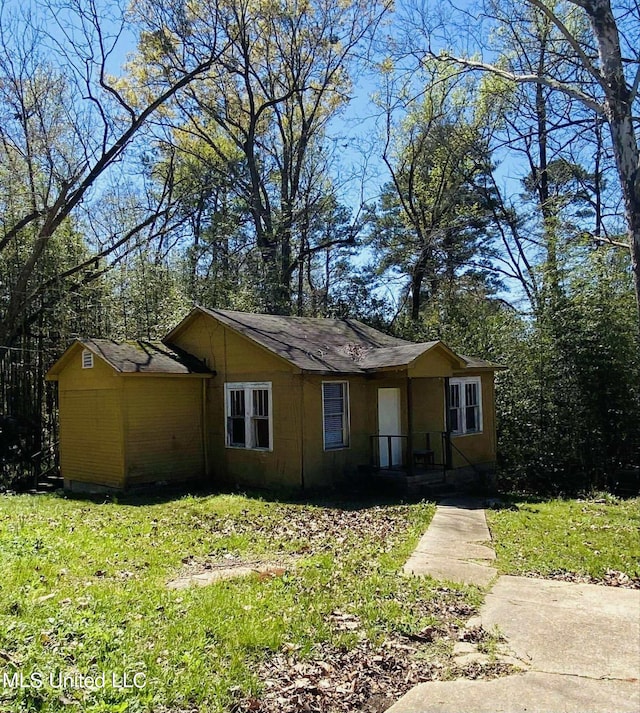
x=343, y=498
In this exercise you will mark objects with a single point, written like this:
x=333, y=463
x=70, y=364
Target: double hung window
x=248, y=411
x=465, y=405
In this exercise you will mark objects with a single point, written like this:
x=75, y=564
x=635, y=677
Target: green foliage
x=431, y=225
x=583, y=537
x=148, y=295
x=569, y=406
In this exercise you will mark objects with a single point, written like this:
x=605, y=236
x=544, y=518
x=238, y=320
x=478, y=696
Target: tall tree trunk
x=618, y=105
x=417, y=279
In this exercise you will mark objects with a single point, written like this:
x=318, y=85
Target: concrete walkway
x=578, y=644
x=452, y=547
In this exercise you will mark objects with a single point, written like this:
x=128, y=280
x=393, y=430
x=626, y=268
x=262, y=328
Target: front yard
x=329, y=624
x=595, y=539
x=325, y=622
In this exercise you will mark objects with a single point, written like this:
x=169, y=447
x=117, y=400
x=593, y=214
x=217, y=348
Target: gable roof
x=135, y=357
x=324, y=345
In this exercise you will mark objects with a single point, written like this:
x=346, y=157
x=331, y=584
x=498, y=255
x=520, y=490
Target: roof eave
x=484, y=368
x=387, y=367
x=181, y=374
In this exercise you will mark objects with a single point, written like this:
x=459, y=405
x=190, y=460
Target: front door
x=389, y=424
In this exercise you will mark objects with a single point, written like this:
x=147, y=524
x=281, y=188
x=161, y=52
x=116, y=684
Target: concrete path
x=579, y=644
x=452, y=548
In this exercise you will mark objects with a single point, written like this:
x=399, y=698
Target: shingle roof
x=475, y=363
x=329, y=345
x=312, y=344
x=394, y=356
x=144, y=357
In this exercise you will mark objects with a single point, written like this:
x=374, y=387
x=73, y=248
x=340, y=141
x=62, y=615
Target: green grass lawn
x=83, y=590
x=584, y=537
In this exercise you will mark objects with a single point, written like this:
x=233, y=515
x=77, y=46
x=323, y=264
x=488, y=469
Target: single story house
x=270, y=401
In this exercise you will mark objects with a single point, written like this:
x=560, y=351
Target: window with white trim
x=87, y=359
x=335, y=414
x=465, y=405
x=248, y=413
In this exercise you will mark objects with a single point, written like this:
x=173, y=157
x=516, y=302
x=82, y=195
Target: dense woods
x=485, y=192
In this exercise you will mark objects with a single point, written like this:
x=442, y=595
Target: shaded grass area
x=588, y=537
x=83, y=590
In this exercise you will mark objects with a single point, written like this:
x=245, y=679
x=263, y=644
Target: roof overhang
x=78, y=345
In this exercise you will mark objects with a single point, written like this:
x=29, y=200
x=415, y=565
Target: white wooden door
x=389, y=424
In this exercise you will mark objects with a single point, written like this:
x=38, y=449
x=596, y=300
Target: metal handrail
x=375, y=449
x=459, y=452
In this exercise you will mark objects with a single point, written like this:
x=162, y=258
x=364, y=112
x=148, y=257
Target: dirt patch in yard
x=197, y=573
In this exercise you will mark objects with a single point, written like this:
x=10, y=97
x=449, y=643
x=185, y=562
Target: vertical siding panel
x=91, y=437
x=164, y=429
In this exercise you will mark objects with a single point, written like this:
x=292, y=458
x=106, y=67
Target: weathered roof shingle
x=145, y=357
x=329, y=345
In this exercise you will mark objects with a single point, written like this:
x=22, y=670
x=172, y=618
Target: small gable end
x=80, y=369
x=438, y=361
x=225, y=351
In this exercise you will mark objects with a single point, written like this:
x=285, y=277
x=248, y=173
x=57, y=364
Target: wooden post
x=446, y=445
x=409, y=426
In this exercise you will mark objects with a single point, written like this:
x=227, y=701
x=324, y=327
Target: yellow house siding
x=74, y=377
x=164, y=439
x=428, y=405
x=237, y=360
x=279, y=466
x=91, y=444
x=429, y=414
x=325, y=467
x=226, y=351
x=435, y=362
x=479, y=447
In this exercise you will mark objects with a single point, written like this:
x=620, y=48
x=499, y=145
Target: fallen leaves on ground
x=314, y=530
x=364, y=678
x=475, y=670
x=611, y=578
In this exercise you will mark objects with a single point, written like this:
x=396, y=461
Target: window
x=465, y=405
x=249, y=416
x=335, y=414
x=87, y=359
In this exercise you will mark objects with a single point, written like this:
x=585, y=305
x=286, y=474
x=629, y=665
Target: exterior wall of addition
x=237, y=360
x=91, y=428
x=163, y=429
